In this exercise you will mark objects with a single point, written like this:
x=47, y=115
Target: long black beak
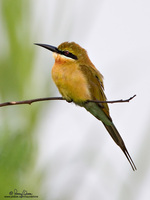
x=56, y=50
x=49, y=47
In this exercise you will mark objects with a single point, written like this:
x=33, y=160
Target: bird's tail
x=119, y=141
x=97, y=111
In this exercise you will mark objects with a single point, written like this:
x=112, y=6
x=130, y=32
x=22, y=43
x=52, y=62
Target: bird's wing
x=96, y=87
x=101, y=111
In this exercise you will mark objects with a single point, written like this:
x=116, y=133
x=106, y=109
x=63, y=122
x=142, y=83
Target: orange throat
x=60, y=59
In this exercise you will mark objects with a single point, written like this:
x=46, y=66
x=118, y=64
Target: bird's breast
x=71, y=82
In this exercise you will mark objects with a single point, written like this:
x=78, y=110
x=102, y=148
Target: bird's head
x=69, y=52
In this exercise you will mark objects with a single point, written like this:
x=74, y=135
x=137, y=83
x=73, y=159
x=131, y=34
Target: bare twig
x=114, y=101
x=58, y=98
x=30, y=101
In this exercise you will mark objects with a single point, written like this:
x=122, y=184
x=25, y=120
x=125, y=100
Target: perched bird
x=79, y=81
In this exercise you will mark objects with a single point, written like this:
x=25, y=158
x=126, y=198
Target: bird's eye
x=66, y=53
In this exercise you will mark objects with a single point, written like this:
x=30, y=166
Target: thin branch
x=113, y=101
x=30, y=101
x=59, y=98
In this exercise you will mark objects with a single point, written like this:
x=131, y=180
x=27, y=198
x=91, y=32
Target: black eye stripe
x=68, y=54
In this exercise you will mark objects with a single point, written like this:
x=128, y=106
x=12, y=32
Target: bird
x=79, y=81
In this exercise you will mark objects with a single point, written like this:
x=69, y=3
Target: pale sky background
x=79, y=158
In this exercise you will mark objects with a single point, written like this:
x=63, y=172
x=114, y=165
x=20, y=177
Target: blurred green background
x=55, y=150
x=18, y=144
